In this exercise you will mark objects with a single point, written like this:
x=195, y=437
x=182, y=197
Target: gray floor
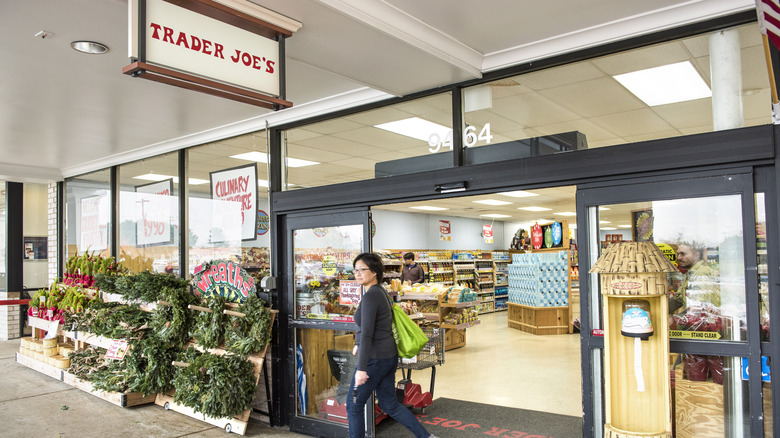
x=34, y=405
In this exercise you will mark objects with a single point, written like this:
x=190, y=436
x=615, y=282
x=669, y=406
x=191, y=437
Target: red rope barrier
x=13, y=302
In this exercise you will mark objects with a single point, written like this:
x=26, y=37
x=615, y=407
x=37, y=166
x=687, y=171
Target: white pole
x=726, y=80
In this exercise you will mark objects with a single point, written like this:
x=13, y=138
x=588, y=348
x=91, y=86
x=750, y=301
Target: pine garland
x=251, y=333
x=209, y=328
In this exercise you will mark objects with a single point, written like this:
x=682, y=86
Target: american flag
x=769, y=19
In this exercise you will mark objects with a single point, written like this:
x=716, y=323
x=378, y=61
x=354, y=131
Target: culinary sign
x=94, y=223
x=188, y=41
x=153, y=207
x=225, y=278
x=238, y=187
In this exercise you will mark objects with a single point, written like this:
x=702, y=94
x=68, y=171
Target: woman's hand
x=354, y=350
x=360, y=377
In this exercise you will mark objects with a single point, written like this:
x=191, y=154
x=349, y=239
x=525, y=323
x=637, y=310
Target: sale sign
x=444, y=230
x=349, y=293
x=154, y=212
x=487, y=233
x=237, y=186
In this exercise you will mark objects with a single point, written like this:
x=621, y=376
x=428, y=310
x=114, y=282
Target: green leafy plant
x=217, y=386
x=172, y=323
x=251, y=333
x=209, y=328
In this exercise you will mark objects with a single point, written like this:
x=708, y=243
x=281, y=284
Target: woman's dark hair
x=374, y=263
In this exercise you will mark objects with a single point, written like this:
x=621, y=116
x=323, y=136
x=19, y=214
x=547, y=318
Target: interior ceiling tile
x=633, y=123
x=333, y=126
x=507, y=88
x=560, y=76
x=686, y=114
x=534, y=110
x=594, y=97
x=314, y=154
x=300, y=134
x=640, y=59
x=754, y=108
x=378, y=116
x=592, y=131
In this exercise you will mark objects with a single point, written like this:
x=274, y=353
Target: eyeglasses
x=359, y=270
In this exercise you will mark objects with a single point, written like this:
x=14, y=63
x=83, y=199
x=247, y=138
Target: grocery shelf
x=425, y=297
x=459, y=305
x=462, y=326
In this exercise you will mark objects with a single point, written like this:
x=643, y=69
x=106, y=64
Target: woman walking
x=376, y=351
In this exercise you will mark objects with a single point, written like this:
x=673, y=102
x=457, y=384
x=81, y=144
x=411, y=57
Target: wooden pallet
x=123, y=399
x=41, y=367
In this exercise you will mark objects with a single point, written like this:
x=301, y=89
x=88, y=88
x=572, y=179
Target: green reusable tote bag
x=409, y=338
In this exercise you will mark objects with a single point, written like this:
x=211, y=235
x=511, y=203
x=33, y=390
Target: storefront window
x=228, y=203
x=710, y=397
x=149, y=215
x=703, y=238
x=594, y=103
x=88, y=213
x=325, y=286
x=763, y=266
x=324, y=369
x=3, y=227
x=404, y=138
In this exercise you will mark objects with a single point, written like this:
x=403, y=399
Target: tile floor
x=508, y=367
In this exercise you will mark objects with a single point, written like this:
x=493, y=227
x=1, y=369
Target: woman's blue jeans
x=381, y=378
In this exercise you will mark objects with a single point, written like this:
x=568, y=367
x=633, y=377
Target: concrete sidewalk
x=35, y=405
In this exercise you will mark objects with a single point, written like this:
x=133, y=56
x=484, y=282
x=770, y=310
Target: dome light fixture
x=90, y=47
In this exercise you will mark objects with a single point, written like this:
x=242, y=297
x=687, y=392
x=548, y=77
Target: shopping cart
x=410, y=394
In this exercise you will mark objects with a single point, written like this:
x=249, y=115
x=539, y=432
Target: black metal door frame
x=701, y=184
x=288, y=324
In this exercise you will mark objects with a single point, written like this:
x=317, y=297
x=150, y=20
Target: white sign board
x=185, y=40
x=237, y=186
x=94, y=223
x=153, y=213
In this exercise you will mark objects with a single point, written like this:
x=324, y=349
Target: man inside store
x=699, y=284
x=412, y=272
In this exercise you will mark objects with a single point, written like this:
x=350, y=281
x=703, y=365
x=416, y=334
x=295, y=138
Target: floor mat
x=449, y=418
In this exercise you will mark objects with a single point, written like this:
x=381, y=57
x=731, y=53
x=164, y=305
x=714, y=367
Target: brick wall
x=9, y=318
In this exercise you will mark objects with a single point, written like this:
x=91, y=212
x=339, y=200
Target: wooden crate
x=698, y=408
x=538, y=320
x=454, y=338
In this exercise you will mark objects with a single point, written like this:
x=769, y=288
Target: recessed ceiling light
x=492, y=202
x=624, y=226
x=262, y=157
x=518, y=194
x=90, y=47
x=495, y=215
x=160, y=177
x=666, y=84
x=416, y=127
x=566, y=213
x=429, y=208
x=534, y=208
x=609, y=228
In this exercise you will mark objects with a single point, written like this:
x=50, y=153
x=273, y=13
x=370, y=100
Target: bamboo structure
x=630, y=270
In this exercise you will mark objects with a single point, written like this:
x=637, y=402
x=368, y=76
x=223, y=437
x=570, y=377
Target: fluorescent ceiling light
x=262, y=157
x=518, y=194
x=534, y=208
x=605, y=222
x=566, y=213
x=429, y=208
x=160, y=177
x=492, y=202
x=416, y=127
x=496, y=215
x=604, y=209
x=671, y=83
x=624, y=226
x=262, y=183
x=609, y=228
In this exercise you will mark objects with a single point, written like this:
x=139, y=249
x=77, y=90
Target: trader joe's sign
x=237, y=186
x=225, y=278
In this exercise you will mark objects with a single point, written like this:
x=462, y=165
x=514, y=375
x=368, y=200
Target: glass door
x=707, y=228
x=322, y=296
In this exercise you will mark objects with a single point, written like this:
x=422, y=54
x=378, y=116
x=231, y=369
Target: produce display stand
x=454, y=334
x=81, y=339
x=235, y=424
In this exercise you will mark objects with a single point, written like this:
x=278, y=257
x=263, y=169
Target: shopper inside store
x=412, y=272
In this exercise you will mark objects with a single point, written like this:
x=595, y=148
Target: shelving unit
x=485, y=280
x=440, y=271
x=393, y=269
x=501, y=260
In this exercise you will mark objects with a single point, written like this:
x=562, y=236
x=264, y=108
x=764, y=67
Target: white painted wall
x=398, y=230
x=36, y=224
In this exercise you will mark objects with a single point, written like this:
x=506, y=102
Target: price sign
x=349, y=293
x=117, y=350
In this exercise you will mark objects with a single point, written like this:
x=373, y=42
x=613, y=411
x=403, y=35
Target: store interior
x=498, y=365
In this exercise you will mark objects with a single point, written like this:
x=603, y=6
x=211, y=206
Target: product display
x=539, y=279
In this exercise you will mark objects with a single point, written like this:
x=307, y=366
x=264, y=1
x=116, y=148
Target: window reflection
x=88, y=209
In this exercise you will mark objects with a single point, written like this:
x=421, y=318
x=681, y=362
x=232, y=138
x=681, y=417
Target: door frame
x=682, y=185
x=288, y=324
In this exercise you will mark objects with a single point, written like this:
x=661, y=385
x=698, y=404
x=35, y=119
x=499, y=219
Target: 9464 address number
x=470, y=138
